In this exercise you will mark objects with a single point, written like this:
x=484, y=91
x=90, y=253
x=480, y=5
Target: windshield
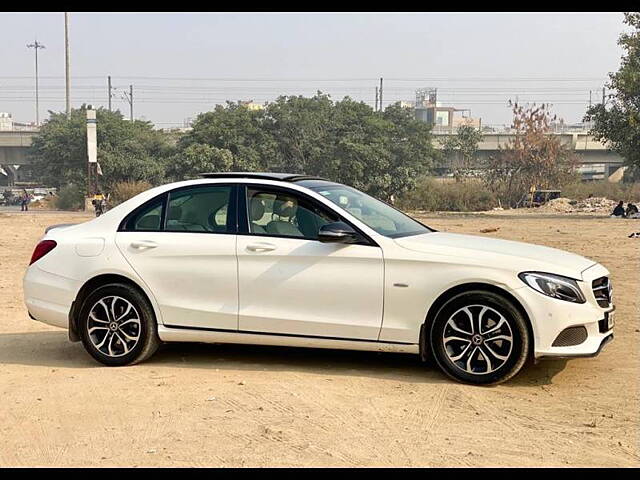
x=377, y=215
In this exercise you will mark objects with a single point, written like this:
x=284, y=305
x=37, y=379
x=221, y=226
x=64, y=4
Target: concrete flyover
x=596, y=161
x=14, y=146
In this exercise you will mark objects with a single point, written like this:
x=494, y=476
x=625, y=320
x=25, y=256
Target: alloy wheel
x=114, y=326
x=477, y=339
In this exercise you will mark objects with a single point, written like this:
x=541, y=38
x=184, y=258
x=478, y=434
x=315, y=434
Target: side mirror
x=337, y=232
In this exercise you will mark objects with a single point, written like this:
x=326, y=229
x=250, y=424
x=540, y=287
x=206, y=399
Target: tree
x=618, y=123
x=229, y=138
x=409, y=142
x=532, y=158
x=127, y=151
x=198, y=158
x=462, y=148
x=344, y=141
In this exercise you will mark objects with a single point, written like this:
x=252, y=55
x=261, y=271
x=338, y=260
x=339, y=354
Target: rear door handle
x=140, y=244
x=261, y=247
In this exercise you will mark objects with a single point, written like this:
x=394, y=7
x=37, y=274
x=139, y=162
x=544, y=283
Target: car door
x=291, y=283
x=183, y=246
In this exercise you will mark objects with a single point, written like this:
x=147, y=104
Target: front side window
x=377, y=215
x=274, y=212
x=200, y=209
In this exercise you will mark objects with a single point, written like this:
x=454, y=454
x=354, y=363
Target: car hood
x=507, y=254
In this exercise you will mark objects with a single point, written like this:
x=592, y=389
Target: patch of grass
x=628, y=192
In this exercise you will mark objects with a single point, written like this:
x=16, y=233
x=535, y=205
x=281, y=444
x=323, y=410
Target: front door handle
x=261, y=247
x=140, y=244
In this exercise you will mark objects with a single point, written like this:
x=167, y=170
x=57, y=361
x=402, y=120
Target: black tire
x=145, y=325
x=492, y=361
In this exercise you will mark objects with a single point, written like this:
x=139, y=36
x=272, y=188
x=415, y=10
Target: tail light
x=44, y=247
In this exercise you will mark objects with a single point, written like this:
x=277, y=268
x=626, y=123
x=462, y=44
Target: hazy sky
x=182, y=64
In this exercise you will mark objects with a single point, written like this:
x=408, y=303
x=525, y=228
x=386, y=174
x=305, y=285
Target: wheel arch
x=462, y=288
x=88, y=287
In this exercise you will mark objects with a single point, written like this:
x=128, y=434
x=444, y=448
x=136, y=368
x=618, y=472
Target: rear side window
x=149, y=219
x=200, y=209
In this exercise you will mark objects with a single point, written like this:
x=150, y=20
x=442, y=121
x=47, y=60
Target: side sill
x=181, y=334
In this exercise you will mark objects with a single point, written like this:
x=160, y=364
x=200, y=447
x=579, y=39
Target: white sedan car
x=280, y=259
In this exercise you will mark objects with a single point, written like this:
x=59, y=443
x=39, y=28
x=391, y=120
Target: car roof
x=284, y=177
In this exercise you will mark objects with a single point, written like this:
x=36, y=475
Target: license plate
x=610, y=320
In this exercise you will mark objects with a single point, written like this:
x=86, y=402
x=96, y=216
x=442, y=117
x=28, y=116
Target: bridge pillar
x=12, y=174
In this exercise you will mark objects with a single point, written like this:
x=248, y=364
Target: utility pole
x=66, y=63
x=603, y=100
x=375, y=109
x=589, y=98
x=129, y=98
x=36, y=46
x=380, y=93
x=109, y=84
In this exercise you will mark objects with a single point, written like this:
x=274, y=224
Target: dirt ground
x=224, y=405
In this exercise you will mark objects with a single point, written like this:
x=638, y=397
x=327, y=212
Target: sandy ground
x=217, y=405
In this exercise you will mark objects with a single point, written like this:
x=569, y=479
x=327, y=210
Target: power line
x=361, y=79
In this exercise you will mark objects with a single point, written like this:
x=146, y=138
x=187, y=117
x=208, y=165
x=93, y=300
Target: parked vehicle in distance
x=292, y=260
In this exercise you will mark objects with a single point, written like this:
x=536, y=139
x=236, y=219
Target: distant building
x=443, y=119
x=251, y=105
x=6, y=122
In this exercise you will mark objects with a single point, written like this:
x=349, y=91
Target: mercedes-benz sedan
x=280, y=259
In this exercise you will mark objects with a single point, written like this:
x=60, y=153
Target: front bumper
x=550, y=317
x=606, y=341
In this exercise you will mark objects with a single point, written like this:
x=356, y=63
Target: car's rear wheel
x=479, y=337
x=117, y=325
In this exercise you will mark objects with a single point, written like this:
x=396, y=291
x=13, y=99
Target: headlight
x=554, y=286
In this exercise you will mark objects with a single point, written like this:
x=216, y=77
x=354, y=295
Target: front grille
x=571, y=336
x=602, y=290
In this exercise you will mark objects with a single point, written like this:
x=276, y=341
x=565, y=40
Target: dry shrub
x=70, y=197
x=435, y=195
x=531, y=157
x=123, y=191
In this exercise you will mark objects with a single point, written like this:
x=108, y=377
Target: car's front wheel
x=117, y=325
x=479, y=337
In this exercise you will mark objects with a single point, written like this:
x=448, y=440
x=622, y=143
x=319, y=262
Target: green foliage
x=237, y=138
x=462, y=149
x=437, y=195
x=198, y=158
x=123, y=191
x=345, y=141
x=619, y=122
x=127, y=151
x=382, y=153
x=70, y=197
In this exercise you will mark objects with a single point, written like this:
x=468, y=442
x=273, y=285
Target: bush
x=123, y=191
x=437, y=195
x=628, y=192
x=69, y=198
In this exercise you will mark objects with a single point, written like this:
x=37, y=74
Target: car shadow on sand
x=53, y=349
